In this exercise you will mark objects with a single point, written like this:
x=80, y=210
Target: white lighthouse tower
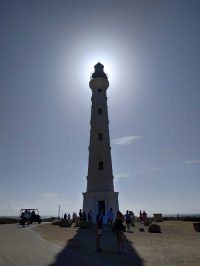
x=100, y=189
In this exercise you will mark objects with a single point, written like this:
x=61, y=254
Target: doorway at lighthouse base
x=100, y=199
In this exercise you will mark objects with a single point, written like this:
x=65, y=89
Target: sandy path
x=23, y=246
x=50, y=245
x=178, y=244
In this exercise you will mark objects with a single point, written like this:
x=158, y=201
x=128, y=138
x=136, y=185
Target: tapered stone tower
x=100, y=188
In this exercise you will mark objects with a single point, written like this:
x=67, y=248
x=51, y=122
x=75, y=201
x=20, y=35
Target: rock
x=65, y=223
x=55, y=222
x=154, y=228
x=196, y=227
x=141, y=230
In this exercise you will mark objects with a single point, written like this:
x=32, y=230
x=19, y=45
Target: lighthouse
x=100, y=187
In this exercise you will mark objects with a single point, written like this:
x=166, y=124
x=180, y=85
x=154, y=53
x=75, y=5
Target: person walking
x=119, y=229
x=128, y=220
x=99, y=229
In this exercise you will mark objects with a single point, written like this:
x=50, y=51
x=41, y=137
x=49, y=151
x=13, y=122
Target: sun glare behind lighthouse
x=108, y=67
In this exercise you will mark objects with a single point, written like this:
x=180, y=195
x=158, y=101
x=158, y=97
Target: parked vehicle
x=29, y=216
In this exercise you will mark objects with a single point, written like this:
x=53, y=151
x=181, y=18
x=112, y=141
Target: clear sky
x=151, y=52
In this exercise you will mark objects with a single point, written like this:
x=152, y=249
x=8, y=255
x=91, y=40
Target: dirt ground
x=178, y=244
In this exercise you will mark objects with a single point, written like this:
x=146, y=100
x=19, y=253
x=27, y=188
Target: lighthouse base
x=100, y=199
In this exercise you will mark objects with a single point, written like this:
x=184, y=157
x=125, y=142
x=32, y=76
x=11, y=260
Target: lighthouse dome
x=99, y=71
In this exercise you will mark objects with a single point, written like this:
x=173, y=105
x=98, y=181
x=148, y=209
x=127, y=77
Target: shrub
x=191, y=219
x=65, y=223
x=50, y=219
x=84, y=225
x=5, y=220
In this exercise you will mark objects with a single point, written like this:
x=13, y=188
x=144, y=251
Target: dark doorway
x=100, y=136
x=100, y=111
x=101, y=205
x=100, y=165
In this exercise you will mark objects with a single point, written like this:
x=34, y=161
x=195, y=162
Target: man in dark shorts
x=99, y=229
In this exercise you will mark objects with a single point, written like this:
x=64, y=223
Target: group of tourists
x=67, y=216
x=81, y=216
x=27, y=215
x=143, y=216
x=117, y=226
x=84, y=217
x=118, y=223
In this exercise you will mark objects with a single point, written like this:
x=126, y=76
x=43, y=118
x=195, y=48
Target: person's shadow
x=80, y=250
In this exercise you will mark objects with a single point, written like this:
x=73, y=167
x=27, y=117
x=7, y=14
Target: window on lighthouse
x=100, y=165
x=99, y=90
x=100, y=111
x=100, y=136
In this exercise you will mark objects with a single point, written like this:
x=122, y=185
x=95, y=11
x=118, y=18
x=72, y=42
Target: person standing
x=80, y=215
x=141, y=216
x=132, y=218
x=144, y=215
x=99, y=229
x=110, y=216
x=27, y=216
x=128, y=221
x=119, y=231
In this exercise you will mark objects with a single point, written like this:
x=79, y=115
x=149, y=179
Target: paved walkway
x=22, y=246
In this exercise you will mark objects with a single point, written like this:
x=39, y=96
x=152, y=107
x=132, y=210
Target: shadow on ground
x=81, y=251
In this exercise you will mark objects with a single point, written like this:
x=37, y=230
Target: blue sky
x=151, y=52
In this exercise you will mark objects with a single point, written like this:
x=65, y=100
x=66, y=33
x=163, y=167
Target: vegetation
x=191, y=219
x=186, y=218
x=82, y=224
x=50, y=219
x=65, y=223
x=55, y=222
x=6, y=220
